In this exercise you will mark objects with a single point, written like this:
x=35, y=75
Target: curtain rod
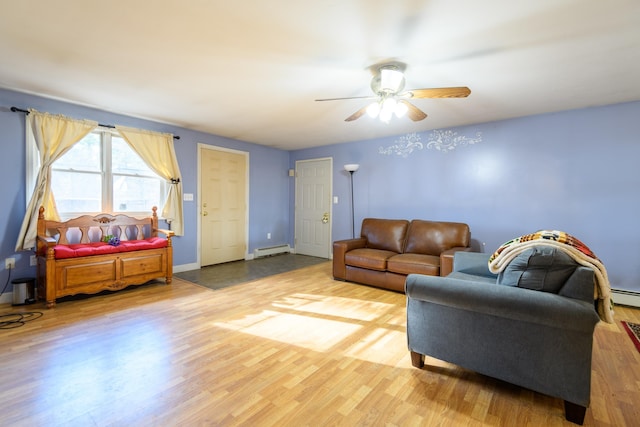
x=20, y=110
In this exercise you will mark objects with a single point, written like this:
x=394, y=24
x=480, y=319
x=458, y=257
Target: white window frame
x=106, y=135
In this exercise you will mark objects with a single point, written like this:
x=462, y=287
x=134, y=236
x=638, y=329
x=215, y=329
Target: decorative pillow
x=541, y=268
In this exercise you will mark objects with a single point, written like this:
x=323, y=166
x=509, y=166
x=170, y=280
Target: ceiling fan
x=387, y=85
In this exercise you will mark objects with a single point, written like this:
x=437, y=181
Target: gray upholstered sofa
x=539, y=338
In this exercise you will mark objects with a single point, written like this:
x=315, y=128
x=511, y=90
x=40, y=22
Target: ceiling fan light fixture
x=387, y=85
x=387, y=109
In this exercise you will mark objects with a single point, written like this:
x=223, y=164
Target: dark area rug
x=231, y=273
x=633, y=329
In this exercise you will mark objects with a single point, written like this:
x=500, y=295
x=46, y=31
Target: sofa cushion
x=373, y=259
x=386, y=234
x=540, y=268
x=102, y=248
x=414, y=263
x=433, y=237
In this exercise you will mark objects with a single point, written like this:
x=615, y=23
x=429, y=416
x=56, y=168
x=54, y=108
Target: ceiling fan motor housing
x=388, y=81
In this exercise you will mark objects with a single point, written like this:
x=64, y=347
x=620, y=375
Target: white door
x=223, y=205
x=313, y=207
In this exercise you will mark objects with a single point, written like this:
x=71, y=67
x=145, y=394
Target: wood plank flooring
x=293, y=349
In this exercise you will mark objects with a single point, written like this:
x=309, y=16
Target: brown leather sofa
x=390, y=249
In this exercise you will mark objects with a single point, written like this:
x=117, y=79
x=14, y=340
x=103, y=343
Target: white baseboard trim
x=185, y=267
x=630, y=298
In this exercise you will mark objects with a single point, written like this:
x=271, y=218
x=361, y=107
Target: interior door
x=313, y=207
x=223, y=205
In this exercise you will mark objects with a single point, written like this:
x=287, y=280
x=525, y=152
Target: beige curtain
x=156, y=149
x=54, y=135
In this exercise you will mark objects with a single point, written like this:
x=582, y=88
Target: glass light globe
x=373, y=110
x=388, y=107
x=401, y=109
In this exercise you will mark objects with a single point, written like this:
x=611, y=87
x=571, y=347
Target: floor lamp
x=351, y=168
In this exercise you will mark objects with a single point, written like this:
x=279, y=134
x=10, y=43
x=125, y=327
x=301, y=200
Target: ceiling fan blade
x=414, y=112
x=351, y=97
x=440, y=92
x=356, y=115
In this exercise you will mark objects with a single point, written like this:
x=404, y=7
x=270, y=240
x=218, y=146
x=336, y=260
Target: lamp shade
x=351, y=167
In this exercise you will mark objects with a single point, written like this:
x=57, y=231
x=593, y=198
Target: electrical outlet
x=33, y=261
x=10, y=263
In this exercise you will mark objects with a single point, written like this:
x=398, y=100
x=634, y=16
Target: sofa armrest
x=446, y=259
x=474, y=263
x=340, y=248
x=509, y=302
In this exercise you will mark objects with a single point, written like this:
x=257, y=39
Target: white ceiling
x=251, y=69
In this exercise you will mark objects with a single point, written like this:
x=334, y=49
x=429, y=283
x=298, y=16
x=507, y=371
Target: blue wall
x=268, y=179
x=575, y=171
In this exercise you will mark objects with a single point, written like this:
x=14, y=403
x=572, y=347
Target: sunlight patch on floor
x=335, y=306
x=323, y=323
x=374, y=345
x=309, y=332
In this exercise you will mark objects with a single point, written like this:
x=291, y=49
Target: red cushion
x=102, y=248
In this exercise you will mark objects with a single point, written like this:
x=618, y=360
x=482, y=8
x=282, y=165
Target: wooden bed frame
x=95, y=273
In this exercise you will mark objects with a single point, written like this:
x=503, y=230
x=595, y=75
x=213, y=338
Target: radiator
x=624, y=297
x=273, y=250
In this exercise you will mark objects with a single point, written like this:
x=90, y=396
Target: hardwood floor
x=293, y=349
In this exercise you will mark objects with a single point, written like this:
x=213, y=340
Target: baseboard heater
x=273, y=250
x=624, y=297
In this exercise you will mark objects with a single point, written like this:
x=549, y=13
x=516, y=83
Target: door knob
x=205, y=213
x=325, y=217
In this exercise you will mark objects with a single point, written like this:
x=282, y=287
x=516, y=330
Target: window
x=101, y=173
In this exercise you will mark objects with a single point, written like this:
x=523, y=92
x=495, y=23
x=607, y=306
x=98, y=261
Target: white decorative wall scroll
x=403, y=146
x=448, y=140
x=441, y=140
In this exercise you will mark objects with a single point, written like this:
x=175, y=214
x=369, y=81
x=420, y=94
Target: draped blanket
x=568, y=244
